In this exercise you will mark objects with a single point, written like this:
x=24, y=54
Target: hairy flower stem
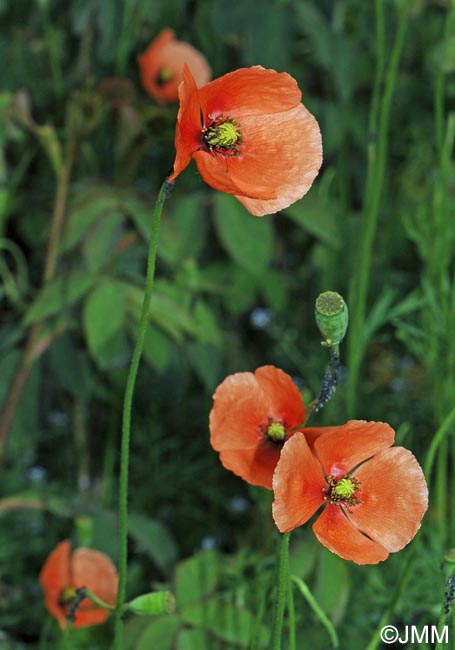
x=283, y=590
x=329, y=381
x=126, y=419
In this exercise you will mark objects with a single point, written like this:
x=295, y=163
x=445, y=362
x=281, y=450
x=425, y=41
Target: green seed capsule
x=153, y=604
x=331, y=314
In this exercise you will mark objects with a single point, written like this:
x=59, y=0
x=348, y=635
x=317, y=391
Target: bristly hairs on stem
x=127, y=414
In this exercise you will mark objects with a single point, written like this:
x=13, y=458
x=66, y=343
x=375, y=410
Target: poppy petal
x=341, y=450
x=245, y=402
x=250, y=91
x=188, y=130
x=284, y=152
x=394, y=498
x=96, y=572
x=298, y=485
x=239, y=411
x=55, y=576
x=283, y=394
x=337, y=533
x=216, y=170
x=281, y=156
x=165, y=52
x=313, y=433
x=256, y=466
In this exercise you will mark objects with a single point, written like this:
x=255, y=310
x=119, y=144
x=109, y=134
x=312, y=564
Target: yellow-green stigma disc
x=223, y=135
x=345, y=488
x=276, y=432
x=165, y=75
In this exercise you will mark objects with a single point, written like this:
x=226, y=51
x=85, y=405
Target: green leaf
x=157, y=348
x=332, y=585
x=302, y=555
x=275, y=289
x=183, y=230
x=317, y=220
x=196, y=577
x=159, y=634
x=155, y=540
x=167, y=309
x=100, y=242
x=208, y=330
x=207, y=361
x=197, y=639
x=104, y=318
x=87, y=206
x=62, y=292
x=247, y=239
x=72, y=366
x=227, y=622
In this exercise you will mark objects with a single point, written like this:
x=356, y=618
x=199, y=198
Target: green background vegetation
x=233, y=292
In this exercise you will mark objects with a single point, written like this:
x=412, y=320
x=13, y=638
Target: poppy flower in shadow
x=252, y=417
x=374, y=495
x=162, y=62
x=250, y=136
x=64, y=572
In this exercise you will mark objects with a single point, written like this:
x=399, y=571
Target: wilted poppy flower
x=252, y=416
x=64, y=572
x=250, y=136
x=374, y=495
x=162, y=62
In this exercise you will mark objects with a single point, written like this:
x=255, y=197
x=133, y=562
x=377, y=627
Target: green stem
x=320, y=614
x=291, y=616
x=372, y=201
x=91, y=596
x=126, y=421
x=283, y=582
x=437, y=439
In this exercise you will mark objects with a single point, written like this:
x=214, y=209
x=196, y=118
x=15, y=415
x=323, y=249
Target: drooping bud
x=331, y=314
x=152, y=604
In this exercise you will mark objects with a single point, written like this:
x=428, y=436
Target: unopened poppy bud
x=153, y=604
x=331, y=314
x=449, y=556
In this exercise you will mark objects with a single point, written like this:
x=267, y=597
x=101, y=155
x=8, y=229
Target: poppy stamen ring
x=223, y=136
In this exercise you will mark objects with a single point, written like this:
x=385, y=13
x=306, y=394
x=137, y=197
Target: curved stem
x=283, y=586
x=319, y=612
x=437, y=439
x=126, y=421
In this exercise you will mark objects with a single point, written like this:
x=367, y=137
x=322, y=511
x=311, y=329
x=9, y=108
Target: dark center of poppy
x=223, y=136
x=276, y=432
x=163, y=76
x=342, y=491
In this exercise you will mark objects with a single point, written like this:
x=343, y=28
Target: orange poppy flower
x=250, y=136
x=64, y=572
x=162, y=62
x=252, y=416
x=374, y=495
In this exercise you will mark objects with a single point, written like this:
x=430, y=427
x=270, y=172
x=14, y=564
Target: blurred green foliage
x=233, y=292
